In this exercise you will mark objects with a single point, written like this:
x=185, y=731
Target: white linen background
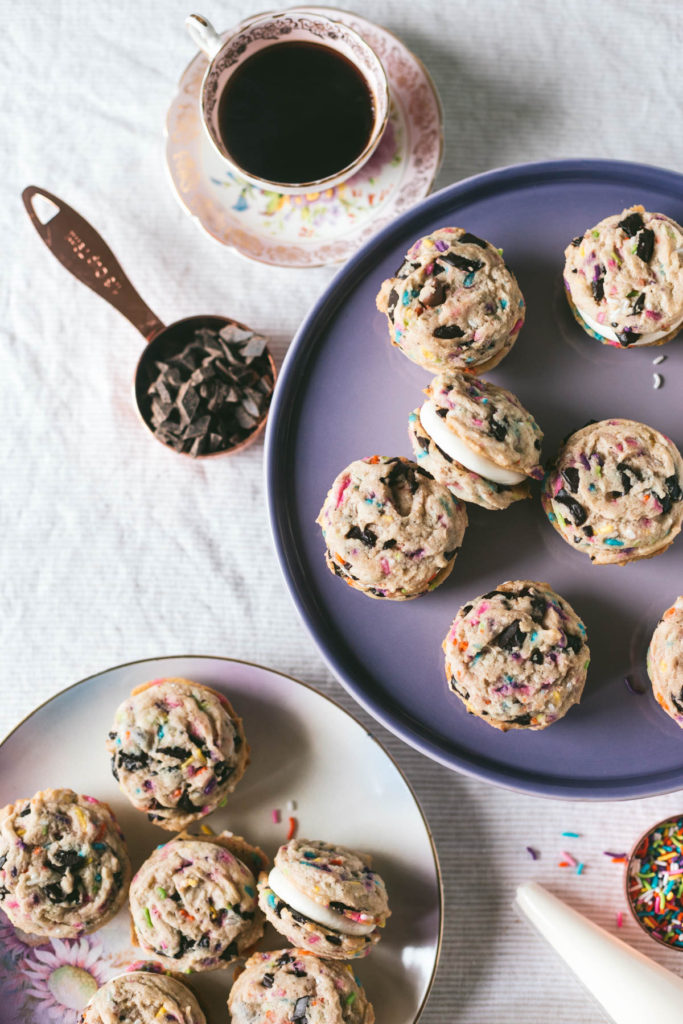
x=113, y=549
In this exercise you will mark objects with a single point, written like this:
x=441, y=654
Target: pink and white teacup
x=226, y=56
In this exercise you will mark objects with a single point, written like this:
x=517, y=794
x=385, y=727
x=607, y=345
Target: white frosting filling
x=461, y=452
x=297, y=900
x=607, y=331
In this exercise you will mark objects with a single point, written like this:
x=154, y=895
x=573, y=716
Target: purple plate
x=345, y=393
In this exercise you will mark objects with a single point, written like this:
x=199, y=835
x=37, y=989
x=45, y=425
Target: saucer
x=320, y=227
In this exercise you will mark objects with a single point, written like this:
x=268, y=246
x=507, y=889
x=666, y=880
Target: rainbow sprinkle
x=655, y=882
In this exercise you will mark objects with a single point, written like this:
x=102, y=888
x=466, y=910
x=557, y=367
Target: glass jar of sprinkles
x=654, y=882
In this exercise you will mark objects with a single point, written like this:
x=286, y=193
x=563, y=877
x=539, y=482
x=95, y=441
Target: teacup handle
x=203, y=34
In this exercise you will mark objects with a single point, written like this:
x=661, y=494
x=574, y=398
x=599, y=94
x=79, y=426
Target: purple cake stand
x=345, y=393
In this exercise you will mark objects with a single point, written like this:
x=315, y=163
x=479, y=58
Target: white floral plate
x=321, y=227
x=304, y=748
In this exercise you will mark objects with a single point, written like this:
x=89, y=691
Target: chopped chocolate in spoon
x=214, y=393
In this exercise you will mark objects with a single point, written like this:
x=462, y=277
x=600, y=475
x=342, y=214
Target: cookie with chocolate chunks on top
x=144, y=998
x=177, y=750
x=64, y=867
x=390, y=529
x=615, y=491
x=624, y=279
x=193, y=902
x=292, y=986
x=453, y=304
x=517, y=657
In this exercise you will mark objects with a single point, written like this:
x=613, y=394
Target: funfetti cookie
x=624, y=279
x=193, y=902
x=665, y=661
x=453, y=303
x=390, y=529
x=292, y=985
x=517, y=657
x=141, y=997
x=615, y=491
x=325, y=898
x=177, y=750
x=477, y=439
x=64, y=868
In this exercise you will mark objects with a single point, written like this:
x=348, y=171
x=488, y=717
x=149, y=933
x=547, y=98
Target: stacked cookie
x=614, y=490
x=198, y=902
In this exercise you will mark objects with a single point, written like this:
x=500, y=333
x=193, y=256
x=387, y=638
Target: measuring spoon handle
x=83, y=252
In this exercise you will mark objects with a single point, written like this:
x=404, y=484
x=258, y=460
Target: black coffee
x=295, y=112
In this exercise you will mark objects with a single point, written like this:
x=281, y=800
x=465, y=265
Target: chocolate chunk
x=465, y=263
x=646, y=245
x=392, y=302
x=465, y=609
x=627, y=337
x=448, y=555
x=631, y=225
x=230, y=952
x=300, y=1007
x=448, y=331
x=570, y=476
x=3, y=859
x=267, y=980
x=436, y=294
x=132, y=762
x=185, y=804
x=510, y=638
x=471, y=239
x=522, y=719
x=222, y=770
x=537, y=656
x=56, y=894
x=575, y=643
x=673, y=488
x=179, y=753
x=285, y=958
x=26, y=810
x=678, y=701
x=334, y=940
x=598, y=288
x=204, y=942
x=588, y=530
x=576, y=510
x=68, y=858
x=498, y=429
x=388, y=544
x=639, y=304
x=366, y=536
x=406, y=268
x=576, y=242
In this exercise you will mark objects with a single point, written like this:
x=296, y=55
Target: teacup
x=227, y=56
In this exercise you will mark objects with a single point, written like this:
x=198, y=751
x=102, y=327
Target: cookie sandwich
x=178, y=750
x=624, y=279
x=477, y=439
x=325, y=898
x=453, y=304
x=615, y=491
x=518, y=656
x=64, y=867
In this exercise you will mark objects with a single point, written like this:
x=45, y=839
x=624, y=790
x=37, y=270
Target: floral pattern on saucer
x=319, y=227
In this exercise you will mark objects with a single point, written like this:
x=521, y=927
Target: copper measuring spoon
x=83, y=252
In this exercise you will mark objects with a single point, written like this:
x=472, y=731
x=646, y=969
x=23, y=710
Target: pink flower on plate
x=61, y=977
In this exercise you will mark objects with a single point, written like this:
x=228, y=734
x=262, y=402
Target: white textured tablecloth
x=112, y=549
